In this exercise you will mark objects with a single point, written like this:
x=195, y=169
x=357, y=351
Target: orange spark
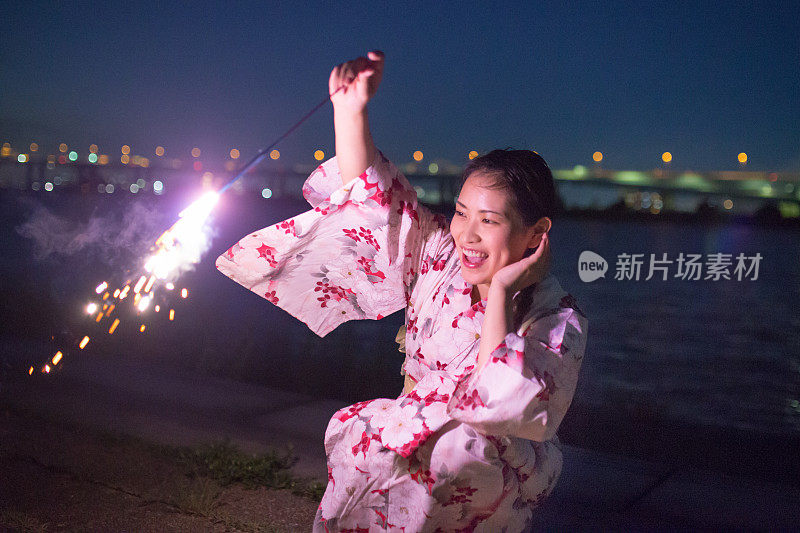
x=141, y=328
x=171, y=314
x=57, y=357
x=84, y=342
x=113, y=326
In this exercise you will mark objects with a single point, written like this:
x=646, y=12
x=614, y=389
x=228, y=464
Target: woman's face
x=488, y=232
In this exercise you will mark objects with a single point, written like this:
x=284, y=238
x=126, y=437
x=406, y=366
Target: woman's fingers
x=360, y=76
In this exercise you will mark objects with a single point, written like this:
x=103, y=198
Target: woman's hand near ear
x=526, y=271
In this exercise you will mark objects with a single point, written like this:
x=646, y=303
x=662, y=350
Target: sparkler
x=179, y=247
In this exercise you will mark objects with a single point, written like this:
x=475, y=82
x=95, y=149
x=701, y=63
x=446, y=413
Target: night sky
x=632, y=79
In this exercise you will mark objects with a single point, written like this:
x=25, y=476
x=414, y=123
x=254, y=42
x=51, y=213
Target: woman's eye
x=489, y=221
x=459, y=213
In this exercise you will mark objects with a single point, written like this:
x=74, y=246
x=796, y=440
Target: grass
x=19, y=521
x=226, y=464
x=210, y=482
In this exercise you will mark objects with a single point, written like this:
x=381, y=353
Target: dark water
x=724, y=353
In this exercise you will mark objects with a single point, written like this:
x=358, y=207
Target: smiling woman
x=493, y=344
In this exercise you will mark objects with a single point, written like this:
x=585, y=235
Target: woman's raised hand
x=354, y=83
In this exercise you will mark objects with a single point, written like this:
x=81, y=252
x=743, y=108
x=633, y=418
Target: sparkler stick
x=263, y=153
x=177, y=246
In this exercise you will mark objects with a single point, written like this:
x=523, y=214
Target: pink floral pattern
x=461, y=450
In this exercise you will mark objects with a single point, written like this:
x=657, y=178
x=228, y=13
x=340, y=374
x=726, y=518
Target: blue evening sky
x=703, y=80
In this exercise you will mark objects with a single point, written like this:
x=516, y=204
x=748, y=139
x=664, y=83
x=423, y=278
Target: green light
x=631, y=176
x=693, y=181
x=92, y=158
x=433, y=168
x=580, y=171
x=789, y=209
x=73, y=156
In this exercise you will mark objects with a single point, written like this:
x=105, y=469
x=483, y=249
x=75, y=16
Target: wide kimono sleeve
x=526, y=387
x=355, y=255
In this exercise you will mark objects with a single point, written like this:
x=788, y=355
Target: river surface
x=720, y=352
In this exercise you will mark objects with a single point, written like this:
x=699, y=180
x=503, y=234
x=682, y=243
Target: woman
x=471, y=443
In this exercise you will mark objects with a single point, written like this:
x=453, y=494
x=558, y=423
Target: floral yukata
x=461, y=451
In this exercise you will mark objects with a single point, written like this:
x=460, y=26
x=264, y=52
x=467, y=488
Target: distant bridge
x=593, y=187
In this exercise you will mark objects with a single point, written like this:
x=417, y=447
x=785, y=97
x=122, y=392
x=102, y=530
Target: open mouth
x=473, y=258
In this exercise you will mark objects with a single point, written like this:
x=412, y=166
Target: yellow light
x=93, y=148
x=126, y=149
x=99, y=317
x=666, y=157
x=30, y=371
x=742, y=158
x=34, y=147
x=57, y=357
x=116, y=293
x=103, y=160
x=84, y=342
x=91, y=308
x=728, y=204
x=46, y=369
x=473, y=154
x=274, y=154
x=124, y=292
x=172, y=314
x=141, y=328
x=113, y=326
x=234, y=153
x=110, y=309
x=196, y=152
x=597, y=156
x=159, y=151
x=417, y=156
x=62, y=148
x=158, y=308
x=125, y=159
x=319, y=155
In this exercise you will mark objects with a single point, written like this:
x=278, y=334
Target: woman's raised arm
x=360, y=77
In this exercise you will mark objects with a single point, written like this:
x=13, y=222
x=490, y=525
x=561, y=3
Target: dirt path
x=59, y=477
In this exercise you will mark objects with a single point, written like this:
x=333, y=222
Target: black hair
x=528, y=181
